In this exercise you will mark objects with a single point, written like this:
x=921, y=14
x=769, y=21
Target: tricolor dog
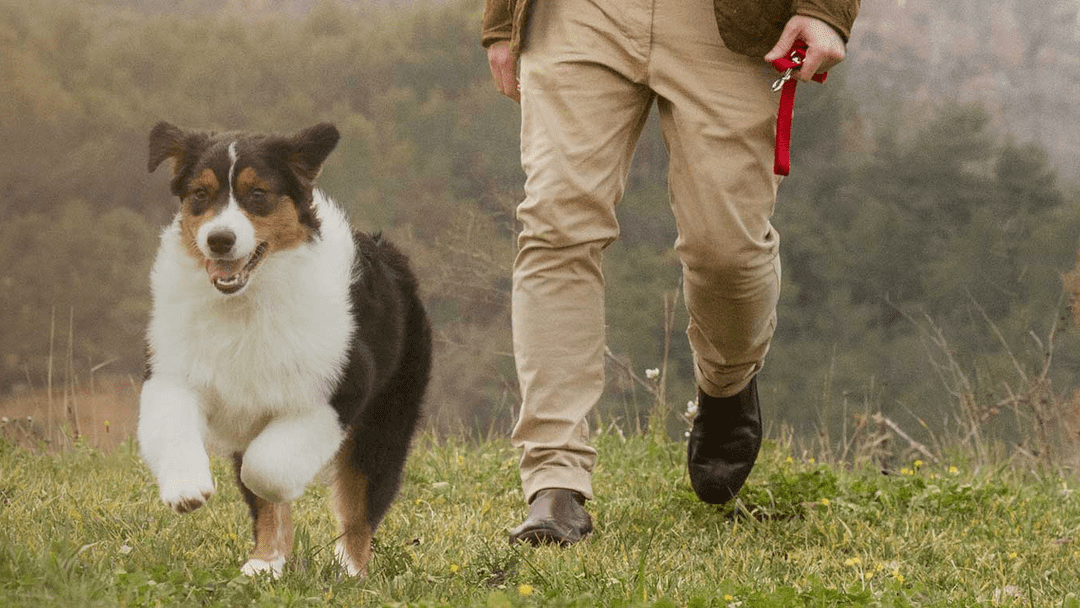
x=280, y=337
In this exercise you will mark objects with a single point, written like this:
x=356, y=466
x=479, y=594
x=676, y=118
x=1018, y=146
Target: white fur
x=231, y=218
x=346, y=562
x=171, y=442
x=256, y=566
x=249, y=373
x=232, y=166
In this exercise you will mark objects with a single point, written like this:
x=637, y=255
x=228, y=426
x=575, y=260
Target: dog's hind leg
x=273, y=528
x=368, y=474
x=350, y=501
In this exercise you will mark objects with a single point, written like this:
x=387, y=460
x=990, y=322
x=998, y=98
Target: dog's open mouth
x=230, y=276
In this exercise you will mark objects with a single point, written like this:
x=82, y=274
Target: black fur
x=379, y=398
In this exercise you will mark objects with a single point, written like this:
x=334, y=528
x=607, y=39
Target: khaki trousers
x=589, y=74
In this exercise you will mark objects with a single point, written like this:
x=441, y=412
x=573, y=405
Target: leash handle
x=792, y=61
x=786, y=85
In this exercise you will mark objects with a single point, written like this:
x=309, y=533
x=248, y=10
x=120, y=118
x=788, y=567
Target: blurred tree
x=79, y=266
x=929, y=211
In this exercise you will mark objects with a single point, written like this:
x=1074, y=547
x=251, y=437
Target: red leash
x=788, y=64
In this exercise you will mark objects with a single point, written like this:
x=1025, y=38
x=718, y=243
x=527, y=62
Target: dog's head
x=242, y=196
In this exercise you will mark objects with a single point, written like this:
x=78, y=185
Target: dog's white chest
x=278, y=348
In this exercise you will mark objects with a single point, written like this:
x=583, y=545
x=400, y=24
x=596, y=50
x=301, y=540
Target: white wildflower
x=691, y=409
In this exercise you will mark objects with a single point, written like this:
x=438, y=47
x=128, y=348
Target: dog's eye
x=200, y=199
x=258, y=201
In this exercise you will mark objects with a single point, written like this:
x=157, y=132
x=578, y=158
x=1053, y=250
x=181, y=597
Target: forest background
x=930, y=218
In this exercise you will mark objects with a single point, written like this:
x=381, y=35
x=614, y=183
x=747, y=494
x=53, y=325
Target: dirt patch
x=104, y=415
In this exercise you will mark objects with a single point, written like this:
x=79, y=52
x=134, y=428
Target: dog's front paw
x=185, y=493
x=256, y=566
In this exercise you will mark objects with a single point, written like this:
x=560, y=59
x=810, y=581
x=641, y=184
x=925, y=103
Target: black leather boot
x=724, y=444
x=556, y=516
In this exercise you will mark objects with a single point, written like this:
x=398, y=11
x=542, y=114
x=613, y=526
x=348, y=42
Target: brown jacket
x=750, y=27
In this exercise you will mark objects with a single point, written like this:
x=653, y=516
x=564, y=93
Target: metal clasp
x=788, y=73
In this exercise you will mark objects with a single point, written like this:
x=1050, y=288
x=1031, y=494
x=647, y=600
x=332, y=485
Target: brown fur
x=190, y=223
x=349, y=500
x=271, y=522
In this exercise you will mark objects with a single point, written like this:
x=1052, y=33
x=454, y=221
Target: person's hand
x=825, y=46
x=503, y=69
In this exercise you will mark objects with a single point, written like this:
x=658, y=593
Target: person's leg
x=582, y=113
x=718, y=117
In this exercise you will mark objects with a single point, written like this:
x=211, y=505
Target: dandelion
x=906, y=472
x=953, y=470
x=525, y=590
x=1012, y=555
x=918, y=464
x=652, y=374
x=454, y=568
x=790, y=460
x=824, y=502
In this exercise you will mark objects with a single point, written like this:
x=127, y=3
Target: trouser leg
x=581, y=117
x=718, y=114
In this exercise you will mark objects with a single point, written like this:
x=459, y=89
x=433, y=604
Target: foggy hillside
x=931, y=213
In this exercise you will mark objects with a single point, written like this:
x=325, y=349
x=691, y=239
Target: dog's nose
x=221, y=241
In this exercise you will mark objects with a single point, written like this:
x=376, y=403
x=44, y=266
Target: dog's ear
x=184, y=147
x=310, y=148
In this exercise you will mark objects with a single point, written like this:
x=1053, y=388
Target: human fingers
x=503, y=69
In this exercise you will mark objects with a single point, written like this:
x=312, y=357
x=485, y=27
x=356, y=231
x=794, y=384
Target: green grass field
x=85, y=528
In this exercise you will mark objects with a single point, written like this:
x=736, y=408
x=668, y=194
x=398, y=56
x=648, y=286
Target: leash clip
x=788, y=73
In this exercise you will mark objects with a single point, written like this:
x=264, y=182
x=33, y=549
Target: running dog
x=280, y=337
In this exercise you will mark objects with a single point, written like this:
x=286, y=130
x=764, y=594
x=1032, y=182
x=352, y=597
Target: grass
x=85, y=528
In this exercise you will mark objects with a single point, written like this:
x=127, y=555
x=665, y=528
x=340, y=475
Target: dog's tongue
x=223, y=269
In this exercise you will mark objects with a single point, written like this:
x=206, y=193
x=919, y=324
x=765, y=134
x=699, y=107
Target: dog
x=279, y=336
